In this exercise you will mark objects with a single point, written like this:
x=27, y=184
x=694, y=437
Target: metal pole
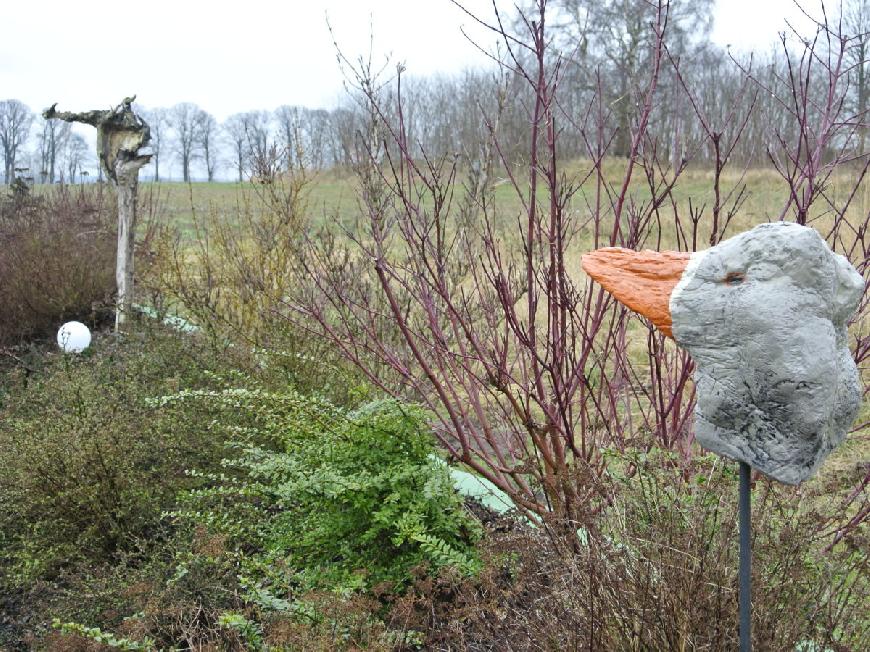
x=745, y=576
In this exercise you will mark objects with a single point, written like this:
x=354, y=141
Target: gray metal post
x=745, y=576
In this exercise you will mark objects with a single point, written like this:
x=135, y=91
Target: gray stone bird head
x=763, y=314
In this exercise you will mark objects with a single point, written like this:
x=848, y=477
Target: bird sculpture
x=764, y=315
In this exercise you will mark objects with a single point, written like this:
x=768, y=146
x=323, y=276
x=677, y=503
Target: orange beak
x=642, y=280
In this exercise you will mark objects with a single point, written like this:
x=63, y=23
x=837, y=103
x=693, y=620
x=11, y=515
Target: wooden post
x=121, y=134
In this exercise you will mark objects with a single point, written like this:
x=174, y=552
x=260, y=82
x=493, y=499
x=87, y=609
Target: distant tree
x=288, y=125
x=206, y=137
x=75, y=155
x=316, y=128
x=249, y=136
x=52, y=138
x=615, y=35
x=15, y=122
x=257, y=132
x=182, y=120
x=856, y=25
x=237, y=139
x=343, y=127
x=158, y=120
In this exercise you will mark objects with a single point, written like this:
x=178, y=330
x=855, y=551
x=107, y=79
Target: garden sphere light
x=73, y=337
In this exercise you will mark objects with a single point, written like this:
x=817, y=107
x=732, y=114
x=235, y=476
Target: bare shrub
x=238, y=265
x=439, y=295
x=658, y=572
x=57, y=261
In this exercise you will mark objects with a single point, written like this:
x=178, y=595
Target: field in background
x=332, y=195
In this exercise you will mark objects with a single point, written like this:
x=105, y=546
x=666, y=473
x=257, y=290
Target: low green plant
x=320, y=517
x=104, y=638
x=330, y=498
x=86, y=464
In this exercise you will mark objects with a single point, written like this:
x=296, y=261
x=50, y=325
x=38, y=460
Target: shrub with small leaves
x=331, y=498
x=87, y=465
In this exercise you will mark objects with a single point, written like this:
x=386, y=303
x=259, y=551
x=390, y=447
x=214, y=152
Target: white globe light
x=73, y=337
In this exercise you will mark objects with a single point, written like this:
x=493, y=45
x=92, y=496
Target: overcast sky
x=255, y=54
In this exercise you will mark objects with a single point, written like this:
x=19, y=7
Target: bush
x=319, y=511
x=57, y=261
x=86, y=463
x=322, y=515
x=334, y=499
x=659, y=572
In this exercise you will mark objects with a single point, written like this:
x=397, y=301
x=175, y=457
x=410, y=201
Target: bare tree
x=53, y=136
x=520, y=362
x=856, y=25
x=343, y=125
x=75, y=155
x=15, y=122
x=235, y=135
x=315, y=127
x=182, y=120
x=158, y=120
x=288, y=123
x=615, y=34
x=257, y=132
x=248, y=135
x=205, y=135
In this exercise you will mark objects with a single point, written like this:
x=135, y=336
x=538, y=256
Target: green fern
x=337, y=499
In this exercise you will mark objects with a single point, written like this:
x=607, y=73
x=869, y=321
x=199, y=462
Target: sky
x=257, y=54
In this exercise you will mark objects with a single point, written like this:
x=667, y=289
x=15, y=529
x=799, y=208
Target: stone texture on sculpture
x=764, y=316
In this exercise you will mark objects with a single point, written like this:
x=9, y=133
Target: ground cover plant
x=198, y=507
x=87, y=465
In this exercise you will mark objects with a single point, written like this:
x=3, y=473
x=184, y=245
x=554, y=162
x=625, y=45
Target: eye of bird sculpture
x=764, y=316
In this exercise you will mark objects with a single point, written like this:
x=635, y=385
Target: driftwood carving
x=121, y=137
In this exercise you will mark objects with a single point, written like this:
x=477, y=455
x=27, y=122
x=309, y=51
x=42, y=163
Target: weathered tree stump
x=121, y=135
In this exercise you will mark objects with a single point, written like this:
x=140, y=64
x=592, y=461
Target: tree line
x=603, y=51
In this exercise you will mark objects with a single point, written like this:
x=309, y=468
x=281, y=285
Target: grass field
x=333, y=196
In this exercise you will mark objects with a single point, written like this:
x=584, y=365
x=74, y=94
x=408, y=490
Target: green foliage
x=330, y=498
x=281, y=542
x=251, y=633
x=105, y=638
x=87, y=465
